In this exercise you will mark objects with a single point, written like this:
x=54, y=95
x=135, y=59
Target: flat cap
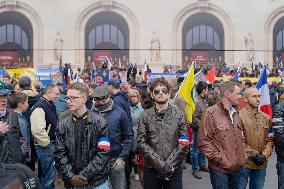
x=100, y=91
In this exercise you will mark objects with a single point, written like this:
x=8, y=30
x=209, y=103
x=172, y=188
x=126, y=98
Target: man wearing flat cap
x=120, y=135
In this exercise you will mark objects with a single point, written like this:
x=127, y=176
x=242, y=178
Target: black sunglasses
x=100, y=98
x=163, y=90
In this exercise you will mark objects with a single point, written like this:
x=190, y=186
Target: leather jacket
x=278, y=128
x=10, y=145
x=158, y=137
x=220, y=138
x=95, y=160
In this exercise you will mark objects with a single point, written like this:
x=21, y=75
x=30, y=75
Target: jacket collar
x=221, y=105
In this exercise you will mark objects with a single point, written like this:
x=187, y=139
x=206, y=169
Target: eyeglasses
x=256, y=96
x=163, y=90
x=71, y=98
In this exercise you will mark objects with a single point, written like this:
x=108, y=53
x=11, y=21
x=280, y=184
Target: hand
x=4, y=127
x=78, y=181
x=259, y=159
x=118, y=165
x=135, y=160
x=167, y=172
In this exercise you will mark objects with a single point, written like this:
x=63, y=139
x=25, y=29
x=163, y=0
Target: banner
x=8, y=57
x=19, y=72
x=99, y=56
x=47, y=76
x=152, y=76
x=200, y=57
x=252, y=79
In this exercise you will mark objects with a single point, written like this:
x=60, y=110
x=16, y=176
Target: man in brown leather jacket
x=256, y=125
x=220, y=138
x=163, y=139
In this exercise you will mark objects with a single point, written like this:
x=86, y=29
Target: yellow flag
x=185, y=92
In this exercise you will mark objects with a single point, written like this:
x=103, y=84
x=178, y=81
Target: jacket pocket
x=223, y=132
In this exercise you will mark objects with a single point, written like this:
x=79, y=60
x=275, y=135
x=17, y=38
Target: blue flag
x=280, y=64
x=237, y=73
x=260, y=66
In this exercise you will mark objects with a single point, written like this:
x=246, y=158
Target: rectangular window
x=3, y=34
x=106, y=33
x=10, y=33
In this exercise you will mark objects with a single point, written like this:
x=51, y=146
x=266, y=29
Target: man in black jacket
x=10, y=146
x=82, y=144
x=278, y=128
x=163, y=140
x=43, y=123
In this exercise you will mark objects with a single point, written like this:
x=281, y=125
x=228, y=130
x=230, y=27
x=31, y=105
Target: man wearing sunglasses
x=82, y=144
x=163, y=139
x=120, y=134
x=259, y=144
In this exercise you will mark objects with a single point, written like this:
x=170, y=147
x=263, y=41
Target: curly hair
x=159, y=81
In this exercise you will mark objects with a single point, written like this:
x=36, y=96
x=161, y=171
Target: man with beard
x=163, y=139
x=256, y=125
x=120, y=134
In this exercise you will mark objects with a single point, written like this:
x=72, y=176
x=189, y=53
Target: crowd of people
x=94, y=135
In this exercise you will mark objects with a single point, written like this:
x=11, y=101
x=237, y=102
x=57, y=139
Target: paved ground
x=189, y=182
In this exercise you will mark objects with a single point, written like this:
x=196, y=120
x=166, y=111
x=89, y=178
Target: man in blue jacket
x=120, y=98
x=120, y=135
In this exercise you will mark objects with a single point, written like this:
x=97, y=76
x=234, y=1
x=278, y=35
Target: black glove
x=258, y=159
x=167, y=172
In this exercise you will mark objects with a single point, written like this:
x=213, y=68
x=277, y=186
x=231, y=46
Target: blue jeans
x=102, y=186
x=45, y=156
x=197, y=158
x=152, y=181
x=117, y=178
x=220, y=180
x=256, y=178
x=280, y=173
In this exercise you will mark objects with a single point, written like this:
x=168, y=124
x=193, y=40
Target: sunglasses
x=163, y=90
x=100, y=98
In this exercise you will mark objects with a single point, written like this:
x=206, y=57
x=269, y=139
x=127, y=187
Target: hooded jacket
x=121, y=99
x=120, y=130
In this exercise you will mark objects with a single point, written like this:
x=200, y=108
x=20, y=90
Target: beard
x=161, y=101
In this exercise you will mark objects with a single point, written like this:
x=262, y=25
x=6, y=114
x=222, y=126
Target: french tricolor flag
x=104, y=144
x=262, y=86
x=183, y=140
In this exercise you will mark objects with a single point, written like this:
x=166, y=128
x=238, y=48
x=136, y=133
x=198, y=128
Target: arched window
x=16, y=36
x=203, y=40
x=107, y=34
x=278, y=39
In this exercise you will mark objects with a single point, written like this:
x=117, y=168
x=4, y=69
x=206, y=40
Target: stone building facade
x=41, y=33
